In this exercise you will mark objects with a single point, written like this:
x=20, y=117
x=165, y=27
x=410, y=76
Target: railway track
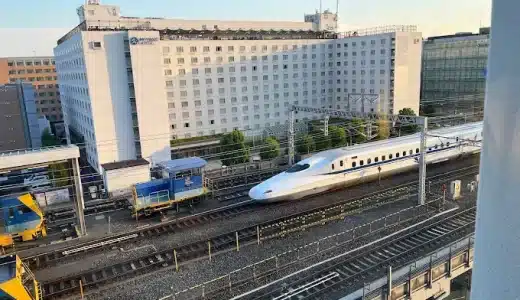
x=47, y=259
x=222, y=243
x=218, y=244
x=338, y=277
x=50, y=258
x=226, y=189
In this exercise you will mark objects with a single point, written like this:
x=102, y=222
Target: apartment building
x=453, y=72
x=130, y=85
x=19, y=126
x=41, y=73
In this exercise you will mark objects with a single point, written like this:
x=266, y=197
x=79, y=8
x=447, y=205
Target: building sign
x=143, y=40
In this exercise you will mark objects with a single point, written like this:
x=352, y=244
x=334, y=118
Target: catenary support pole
x=80, y=203
x=291, y=137
x=422, y=162
x=497, y=243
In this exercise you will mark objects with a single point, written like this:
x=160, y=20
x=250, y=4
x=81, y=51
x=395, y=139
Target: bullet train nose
x=259, y=193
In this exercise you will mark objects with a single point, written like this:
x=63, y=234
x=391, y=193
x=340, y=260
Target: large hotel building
x=130, y=85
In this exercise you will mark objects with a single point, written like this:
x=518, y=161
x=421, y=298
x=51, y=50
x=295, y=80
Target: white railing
x=378, y=30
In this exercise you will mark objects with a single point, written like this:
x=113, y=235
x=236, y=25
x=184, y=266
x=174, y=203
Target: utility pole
x=422, y=162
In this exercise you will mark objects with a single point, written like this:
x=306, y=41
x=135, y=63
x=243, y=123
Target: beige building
x=41, y=72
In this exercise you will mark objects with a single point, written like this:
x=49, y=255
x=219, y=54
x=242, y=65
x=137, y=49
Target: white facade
x=119, y=87
x=120, y=181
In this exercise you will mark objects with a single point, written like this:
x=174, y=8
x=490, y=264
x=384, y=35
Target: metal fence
x=276, y=266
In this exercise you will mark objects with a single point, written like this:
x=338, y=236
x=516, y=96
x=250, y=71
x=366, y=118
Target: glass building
x=453, y=73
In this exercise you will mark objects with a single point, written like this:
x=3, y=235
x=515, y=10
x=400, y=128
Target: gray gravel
x=164, y=282
x=200, y=232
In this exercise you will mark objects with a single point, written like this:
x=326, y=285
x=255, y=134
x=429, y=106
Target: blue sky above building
x=33, y=29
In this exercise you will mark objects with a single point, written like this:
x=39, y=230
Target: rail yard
x=196, y=245
x=180, y=232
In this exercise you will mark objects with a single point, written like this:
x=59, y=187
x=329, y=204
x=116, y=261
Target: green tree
x=48, y=139
x=322, y=142
x=383, y=129
x=59, y=174
x=305, y=144
x=357, y=131
x=407, y=129
x=234, y=149
x=338, y=136
x=270, y=149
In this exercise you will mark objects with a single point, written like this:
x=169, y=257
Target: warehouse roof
x=182, y=164
x=125, y=164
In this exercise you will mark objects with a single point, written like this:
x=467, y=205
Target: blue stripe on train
x=388, y=161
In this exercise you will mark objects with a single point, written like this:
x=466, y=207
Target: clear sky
x=32, y=26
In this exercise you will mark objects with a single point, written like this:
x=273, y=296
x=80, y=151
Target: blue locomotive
x=182, y=180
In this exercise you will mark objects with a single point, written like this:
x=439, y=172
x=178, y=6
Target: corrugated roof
x=125, y=164
x=182, y=164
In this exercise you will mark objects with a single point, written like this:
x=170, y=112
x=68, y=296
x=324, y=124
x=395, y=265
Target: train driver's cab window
x=297, y=168
x=353, y=164
x=361, y=162
x=341, y=163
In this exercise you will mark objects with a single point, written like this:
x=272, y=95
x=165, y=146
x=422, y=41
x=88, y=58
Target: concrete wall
x=122, y=179
x=150, y=97
x=12, y=134
x=407, y=87
x=109, y=95
x=33, y=133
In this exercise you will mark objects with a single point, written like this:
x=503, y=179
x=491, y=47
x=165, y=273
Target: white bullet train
x=342, y=167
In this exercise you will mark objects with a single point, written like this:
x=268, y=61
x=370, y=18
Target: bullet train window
x=332, y=166
x=361, y=162
x=457, y=139
x=447, y=144
x=383, y=158
x=397, y=155
x=369, y=161
x=297, y=168
x=416, y=150
x=436, y=146
x=353, y=164
x=341, y=163
x=404, y=153
x=442, y=145
x=390, y=156
x=376, y=159
x=410, y=152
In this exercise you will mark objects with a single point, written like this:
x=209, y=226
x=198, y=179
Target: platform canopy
x=181, y=164
x=24, y=158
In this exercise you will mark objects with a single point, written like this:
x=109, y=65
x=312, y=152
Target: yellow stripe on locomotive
x=21, y=219
x=16, y=280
